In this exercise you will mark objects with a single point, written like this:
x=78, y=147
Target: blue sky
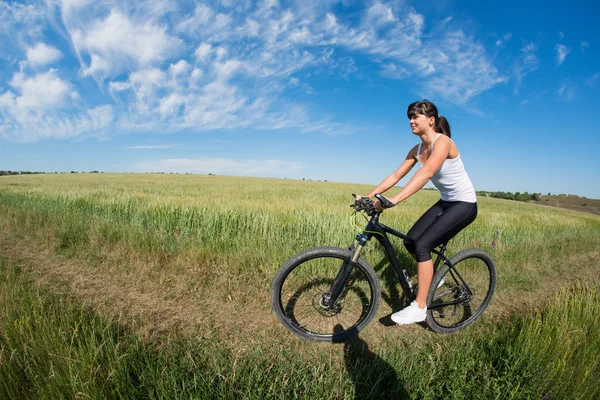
x=301, y=89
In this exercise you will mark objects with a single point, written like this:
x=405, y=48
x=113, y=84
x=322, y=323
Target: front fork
x=331, y=296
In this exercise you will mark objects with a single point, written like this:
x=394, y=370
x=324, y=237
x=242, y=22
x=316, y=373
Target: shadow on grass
x=372, y=376
x=393, y=294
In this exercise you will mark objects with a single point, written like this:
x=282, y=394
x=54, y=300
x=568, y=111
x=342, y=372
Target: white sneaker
x=410, y=314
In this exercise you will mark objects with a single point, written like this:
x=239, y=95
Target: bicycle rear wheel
x=457, y=298
x=302, y=283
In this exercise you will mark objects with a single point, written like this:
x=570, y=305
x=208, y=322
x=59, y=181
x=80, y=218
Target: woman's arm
x=440, y=152
x=395, y=177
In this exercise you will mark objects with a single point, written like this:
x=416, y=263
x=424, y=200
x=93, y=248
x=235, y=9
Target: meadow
x=157, y=286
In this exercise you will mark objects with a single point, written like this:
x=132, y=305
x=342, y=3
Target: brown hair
x=428, y=109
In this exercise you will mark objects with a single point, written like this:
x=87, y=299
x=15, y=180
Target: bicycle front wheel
x=458, y=297
x=301, y=287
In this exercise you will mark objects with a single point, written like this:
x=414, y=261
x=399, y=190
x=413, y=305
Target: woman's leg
x=455, y=217
x=424, y=277
x=421, y=226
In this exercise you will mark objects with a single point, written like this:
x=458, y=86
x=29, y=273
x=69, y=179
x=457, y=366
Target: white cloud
x=201, y=17
x=20, y=24
x=380, y=15
x=40, y=92
x=119, y=86
x=220, y=166
x=228, y=68
x=196, y=74
x=171, y=104
x=221, y=52
x=179, y=68
x=69, y=6
x=203, y=51
x=42, y=54
x=561, y=53
x=170, y=68
x=117, y=43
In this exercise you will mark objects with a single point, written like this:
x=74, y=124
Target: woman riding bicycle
x=440, y=162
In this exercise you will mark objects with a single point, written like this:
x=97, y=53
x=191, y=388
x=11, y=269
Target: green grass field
x=135, y=286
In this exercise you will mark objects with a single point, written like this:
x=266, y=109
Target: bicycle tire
x=301, y=282
x=478, y=270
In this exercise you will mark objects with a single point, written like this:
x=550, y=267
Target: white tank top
x=451, y=179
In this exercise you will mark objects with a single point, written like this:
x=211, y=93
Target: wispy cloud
x=464, y=68
x=152, y=147
x=163, y=66
x=593, y=80
x=221, y=166
x=566, y=91
x=526, y=63
x=561, y=53
x=505, y=38
x=20, y=23
x=584, y=46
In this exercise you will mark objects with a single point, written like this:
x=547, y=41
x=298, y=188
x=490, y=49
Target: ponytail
x=442, y=125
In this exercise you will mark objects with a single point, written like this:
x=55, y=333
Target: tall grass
x=272, y=218
x=51, y=347
x=212, y=244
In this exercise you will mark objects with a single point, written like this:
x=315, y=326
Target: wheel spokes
x=303, y=301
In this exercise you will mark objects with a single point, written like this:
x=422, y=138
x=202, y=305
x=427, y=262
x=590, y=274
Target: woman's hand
x=378, y=206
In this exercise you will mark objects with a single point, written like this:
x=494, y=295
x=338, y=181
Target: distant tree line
x=512, y=196
x=3, y=173
x=6, y=173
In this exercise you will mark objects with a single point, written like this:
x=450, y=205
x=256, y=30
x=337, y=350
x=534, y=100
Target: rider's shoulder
x=413, y=151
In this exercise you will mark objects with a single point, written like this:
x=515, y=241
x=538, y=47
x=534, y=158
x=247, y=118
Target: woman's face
x=420, y=123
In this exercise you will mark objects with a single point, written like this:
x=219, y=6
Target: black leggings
x=438, y=225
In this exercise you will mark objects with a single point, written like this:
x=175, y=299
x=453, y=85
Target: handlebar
x=384, y=202
x=367, y=205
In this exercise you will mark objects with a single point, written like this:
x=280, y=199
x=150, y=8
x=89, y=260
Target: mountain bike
x=330, y=294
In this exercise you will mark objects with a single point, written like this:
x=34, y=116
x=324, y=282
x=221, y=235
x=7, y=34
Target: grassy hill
x=572, y=202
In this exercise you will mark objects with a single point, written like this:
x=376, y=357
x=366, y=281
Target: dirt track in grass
x=161, y=303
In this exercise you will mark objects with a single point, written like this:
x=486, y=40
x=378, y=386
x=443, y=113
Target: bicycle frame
x=380, y=231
